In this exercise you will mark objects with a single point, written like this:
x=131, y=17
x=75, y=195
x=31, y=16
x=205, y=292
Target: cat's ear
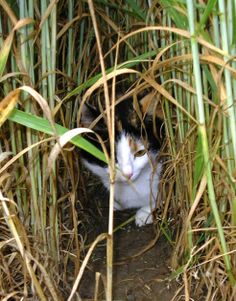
x=150, y=104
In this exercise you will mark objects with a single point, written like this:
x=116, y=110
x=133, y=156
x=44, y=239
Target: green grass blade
x=198, y=167
x=204, y=141
x=179, y=19
x=42, y=125
x=128, y=64
x=121, y=8
x=4, y=52
x=208, y=10
x=136, y=9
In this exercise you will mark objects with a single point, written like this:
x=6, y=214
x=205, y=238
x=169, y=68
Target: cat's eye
x=140, y=153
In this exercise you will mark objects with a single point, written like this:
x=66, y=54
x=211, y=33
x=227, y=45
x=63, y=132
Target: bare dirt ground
x=141, y=278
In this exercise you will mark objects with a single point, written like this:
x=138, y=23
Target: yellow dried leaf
x=8, y=104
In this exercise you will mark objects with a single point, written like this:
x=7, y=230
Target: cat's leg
x=144, y=216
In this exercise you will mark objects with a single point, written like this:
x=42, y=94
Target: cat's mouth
x=126, y=179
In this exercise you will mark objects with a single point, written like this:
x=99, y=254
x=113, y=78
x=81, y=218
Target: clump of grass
x=50, y=63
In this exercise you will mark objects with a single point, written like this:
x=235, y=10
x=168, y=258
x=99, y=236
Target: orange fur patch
x=119, y=126
x=149, y=104
x=133, y=145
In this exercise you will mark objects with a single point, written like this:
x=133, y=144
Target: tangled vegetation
x=53, y=56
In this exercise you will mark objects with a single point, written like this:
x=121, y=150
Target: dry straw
x=54, y=56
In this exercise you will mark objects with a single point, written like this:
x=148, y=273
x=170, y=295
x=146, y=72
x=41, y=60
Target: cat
x=137, y=149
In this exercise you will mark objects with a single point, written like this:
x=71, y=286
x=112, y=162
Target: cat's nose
x=127, y=172
x=129, y=176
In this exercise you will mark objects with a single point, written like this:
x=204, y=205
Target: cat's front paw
x=143, y=216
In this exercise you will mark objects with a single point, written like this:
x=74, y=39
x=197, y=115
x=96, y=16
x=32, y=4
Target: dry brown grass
x=43, y=243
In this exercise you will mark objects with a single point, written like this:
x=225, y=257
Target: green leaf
x=4, y=52
x=198, y=167
x=136, y=9
x=42, y=125
x=179, y=19
x=121, y=8
x=128, y=64
x=208, y=10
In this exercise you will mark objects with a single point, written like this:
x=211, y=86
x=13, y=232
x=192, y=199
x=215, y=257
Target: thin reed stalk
x=228, y=82
x=65, y=51
x=111, y=129
x=204, y=139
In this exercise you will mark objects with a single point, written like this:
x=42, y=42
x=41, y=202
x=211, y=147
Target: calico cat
x=137, y=148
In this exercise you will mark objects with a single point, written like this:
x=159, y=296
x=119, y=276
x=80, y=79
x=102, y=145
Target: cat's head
x=132, y=156
x=136, y=144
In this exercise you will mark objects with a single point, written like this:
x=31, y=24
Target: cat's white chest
x=140, y=192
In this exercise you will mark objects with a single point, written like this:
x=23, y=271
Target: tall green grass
x=185, y=50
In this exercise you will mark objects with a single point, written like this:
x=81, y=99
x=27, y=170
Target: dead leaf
x=8, y=104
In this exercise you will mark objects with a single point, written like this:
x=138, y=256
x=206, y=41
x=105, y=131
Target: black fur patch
x=127, y=121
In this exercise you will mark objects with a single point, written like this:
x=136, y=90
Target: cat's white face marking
x=129, y=164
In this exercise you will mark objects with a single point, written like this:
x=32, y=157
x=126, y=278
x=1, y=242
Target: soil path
x=142, y=278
